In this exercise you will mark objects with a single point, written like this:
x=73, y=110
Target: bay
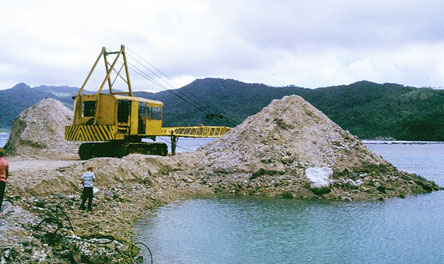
x=183, y=145
x=4, y=136
x=259, y=230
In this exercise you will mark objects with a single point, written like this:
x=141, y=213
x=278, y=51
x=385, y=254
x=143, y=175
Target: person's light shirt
x=88, y=178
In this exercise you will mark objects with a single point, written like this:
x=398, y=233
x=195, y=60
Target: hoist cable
x=178, y=90
x=138, y=71
x=166, y=81
x=151, y=79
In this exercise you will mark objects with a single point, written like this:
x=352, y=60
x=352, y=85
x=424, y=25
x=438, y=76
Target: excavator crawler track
x=120, y=149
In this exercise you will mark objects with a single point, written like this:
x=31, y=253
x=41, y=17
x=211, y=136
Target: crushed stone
x=270, y=152
x=288, y=133
x=38, y=132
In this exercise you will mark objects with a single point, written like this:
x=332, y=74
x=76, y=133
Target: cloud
x=305, y=43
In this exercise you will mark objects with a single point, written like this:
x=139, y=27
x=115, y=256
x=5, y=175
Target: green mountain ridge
x=368, y=110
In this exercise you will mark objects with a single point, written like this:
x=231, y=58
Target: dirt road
x=17, y=164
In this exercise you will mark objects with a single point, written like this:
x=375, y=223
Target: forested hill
x=372, y=110
x=16, y=99
x=366, y=109
x=214, y=97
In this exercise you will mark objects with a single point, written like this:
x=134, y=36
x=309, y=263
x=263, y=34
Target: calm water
x=3, y=138
x=258, y=230
x=183, y=145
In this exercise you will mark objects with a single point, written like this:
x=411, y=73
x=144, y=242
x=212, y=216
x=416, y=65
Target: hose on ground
x=56, y=218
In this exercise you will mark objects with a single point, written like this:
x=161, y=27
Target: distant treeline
x=366, y=109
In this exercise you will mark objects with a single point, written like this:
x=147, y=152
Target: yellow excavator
x=113, y=124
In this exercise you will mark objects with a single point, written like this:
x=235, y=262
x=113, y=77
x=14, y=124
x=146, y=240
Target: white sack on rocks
x=319, y=177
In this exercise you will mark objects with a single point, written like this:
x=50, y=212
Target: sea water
x=183, y=145
x=4, y=136
x=259, y=230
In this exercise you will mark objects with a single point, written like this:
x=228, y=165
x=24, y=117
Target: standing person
x=87, y=180
x=174, y=140
x=4, y=173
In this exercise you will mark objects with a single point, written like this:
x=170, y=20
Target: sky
x=312, y=43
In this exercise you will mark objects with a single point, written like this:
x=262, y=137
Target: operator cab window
x=142, y=109
x=155, y=113
x=89, y=108
x=142, y=118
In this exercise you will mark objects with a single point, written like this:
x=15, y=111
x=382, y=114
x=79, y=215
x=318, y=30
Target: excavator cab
x=129, y=116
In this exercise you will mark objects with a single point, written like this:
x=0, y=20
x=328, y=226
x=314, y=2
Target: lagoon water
x=259, y=230
x=184, y=144
x=3, y=138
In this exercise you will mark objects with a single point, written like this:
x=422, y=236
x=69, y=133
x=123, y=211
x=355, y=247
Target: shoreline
x=121, y=200
x=128, y=187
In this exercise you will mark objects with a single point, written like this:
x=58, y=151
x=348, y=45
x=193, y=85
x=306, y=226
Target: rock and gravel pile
x=273, y=151
x=38, y=132
x=288, y=133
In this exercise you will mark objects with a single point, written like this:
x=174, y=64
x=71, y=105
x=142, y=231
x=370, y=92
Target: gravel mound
x=292, y=150
x=286, y=134
x=39, y=132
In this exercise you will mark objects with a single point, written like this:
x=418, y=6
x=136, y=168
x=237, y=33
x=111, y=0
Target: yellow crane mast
x=113, y=124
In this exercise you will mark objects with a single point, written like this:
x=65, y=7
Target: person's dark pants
x=173, y=149
x=87, y=194
x=2, y=192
